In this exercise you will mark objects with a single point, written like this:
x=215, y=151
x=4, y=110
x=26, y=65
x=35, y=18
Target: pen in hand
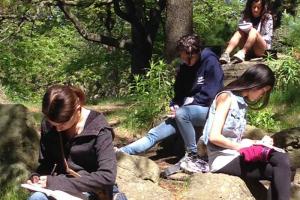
x=53, y=169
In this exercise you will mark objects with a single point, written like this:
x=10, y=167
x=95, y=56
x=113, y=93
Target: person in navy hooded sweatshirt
x=198, y=79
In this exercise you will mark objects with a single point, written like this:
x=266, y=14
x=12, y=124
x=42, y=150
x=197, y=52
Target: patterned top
x=233, y=129
x=265, y=29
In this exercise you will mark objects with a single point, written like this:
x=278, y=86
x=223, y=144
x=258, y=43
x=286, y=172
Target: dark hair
x=189, y=43
x=247, y=12
x=257, y=76
x=60, y=102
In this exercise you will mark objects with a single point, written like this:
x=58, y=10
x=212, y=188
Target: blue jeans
x=38, y=196
x=186, y=118
x=42, y=196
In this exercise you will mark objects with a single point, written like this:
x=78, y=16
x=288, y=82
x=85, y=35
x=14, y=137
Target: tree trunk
x=141, y=52
x=178, y=23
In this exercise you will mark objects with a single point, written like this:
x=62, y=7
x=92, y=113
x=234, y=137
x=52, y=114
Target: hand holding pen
x=41, y=181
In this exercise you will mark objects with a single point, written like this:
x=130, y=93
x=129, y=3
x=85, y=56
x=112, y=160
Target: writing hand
x=267, y=140
x=38, y=181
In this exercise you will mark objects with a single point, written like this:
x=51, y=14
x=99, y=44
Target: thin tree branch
x=4, y=16
x=152, y=24
x=20, y=25
x=79, y=3
x=92, y=36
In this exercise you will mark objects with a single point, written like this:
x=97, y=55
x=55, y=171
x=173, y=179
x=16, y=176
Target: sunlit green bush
x=30, y=63
x=287, y=71
x=151, y=94
x=216, y=21
x=263, y=119
x=287, y=36
x=291, y=25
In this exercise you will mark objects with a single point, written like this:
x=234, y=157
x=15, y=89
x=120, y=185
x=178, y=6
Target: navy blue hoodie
x=201, y=82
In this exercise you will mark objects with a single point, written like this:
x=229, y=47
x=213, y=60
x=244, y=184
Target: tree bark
x=178, y=23
x=144, y=28
x=141, y=52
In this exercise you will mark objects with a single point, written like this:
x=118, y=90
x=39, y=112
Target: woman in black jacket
x=76, y=151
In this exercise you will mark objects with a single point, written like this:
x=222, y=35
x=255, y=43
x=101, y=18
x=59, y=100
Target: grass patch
x=286, y=107
x=13, y=192
x=282, y=112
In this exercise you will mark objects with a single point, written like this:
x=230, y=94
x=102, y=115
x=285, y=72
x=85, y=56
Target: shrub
x=263, y=119
x=287, y=71
x=151, y=93
x=216, y=21
x=30, y=63
x=292, y=26
x=288, y=34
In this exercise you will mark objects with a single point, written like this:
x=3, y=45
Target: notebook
x=57, y=194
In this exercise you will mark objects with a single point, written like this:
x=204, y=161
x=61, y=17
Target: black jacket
x=201, y=82
x=90, y=154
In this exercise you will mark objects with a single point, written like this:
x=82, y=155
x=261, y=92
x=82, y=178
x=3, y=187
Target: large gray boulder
x=233, y=71
x=289, y=140
x=18, y=145
x=209, y=186
x=296, y=186
x=254, y=133
x=138, y=178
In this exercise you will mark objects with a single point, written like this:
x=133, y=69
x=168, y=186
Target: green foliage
x=151, y=94
x=215, y=21
x=290, y=96
x=286, y=106
x=29, y=64
x=288, y=34
x=287, y=71
x=284, y=99
x=263, y=119
x=13, y=192
x=284, y=102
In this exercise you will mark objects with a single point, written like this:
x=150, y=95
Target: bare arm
x=223, y=103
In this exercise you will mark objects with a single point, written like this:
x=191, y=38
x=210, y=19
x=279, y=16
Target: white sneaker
x=225, y=58
x=239, y=56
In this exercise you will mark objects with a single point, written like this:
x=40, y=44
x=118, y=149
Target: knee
x=152, y=135
x=281, y=159
x=253, y=30
x=181, y=114
x=285, y=160
x=38, y=196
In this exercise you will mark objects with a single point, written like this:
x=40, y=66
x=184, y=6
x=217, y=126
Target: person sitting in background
x=228, y=152
x=76, y=151
x=198, y=80
x=254, y=35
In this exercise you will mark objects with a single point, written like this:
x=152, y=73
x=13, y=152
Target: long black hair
x=257, y=76
x=247, y=12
